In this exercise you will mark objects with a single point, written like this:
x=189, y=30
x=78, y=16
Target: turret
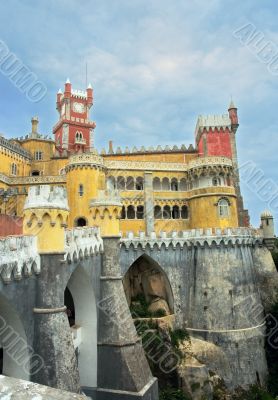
x=90, y=97
x=233, y=116
x=267, y=226
x=67, y=93
x=45, y=216
x=106, y=212
x=85, y=176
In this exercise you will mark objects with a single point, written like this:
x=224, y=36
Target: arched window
x=216, y=181
x=121, y=183
x=184, y=212
x=175, y=212
x=81, y=190
x=174, y=185
x=223, y=208
x=140, y=212
x=157, y=212
x=130, y=183
x=13, y=169
x=165, y=184
x=166, y=212
x=80, y=222
x=183, y=185
x=156, y=184
x=139, y=183
x=123, y=214
x=130, y=212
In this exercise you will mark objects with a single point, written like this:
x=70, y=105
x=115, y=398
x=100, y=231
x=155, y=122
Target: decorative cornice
x=18, y=257
x=82, y=242
x=195, y=237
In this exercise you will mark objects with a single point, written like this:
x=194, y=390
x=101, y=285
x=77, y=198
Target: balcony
x=81, y=141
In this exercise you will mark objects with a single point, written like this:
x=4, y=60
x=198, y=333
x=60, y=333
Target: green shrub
x=159, y=313
x=178, y=336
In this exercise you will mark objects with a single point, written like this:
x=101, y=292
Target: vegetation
x=139, y=308
x=172, y=394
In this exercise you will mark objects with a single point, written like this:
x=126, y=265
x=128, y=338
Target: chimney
x=110, y=151
x=35, y=123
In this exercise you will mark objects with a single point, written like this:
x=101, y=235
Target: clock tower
x=74, y=132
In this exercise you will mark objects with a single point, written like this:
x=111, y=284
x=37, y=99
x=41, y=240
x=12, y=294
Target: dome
x=266, y=214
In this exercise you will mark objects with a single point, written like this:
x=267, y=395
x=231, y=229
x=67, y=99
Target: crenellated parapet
x=86, y=160
x=195, y=237
x=19, y=257
x=82, y=243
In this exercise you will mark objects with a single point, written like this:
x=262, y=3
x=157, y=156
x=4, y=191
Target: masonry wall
x=217, y=298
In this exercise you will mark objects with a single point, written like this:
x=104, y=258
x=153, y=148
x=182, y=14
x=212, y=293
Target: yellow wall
x=92, y=180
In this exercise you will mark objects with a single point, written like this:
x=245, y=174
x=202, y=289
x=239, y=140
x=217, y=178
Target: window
x=175, y=212
x=157, y=212
x=223, y=208
x=35, y=173
x=38, y=155
x=139, y=183
x=81, y=190
x=123, y=214
x=216, y=181
x=13, y=169
x=140, y=212
x=174, y=185
x=130, y=212
x=184, y=212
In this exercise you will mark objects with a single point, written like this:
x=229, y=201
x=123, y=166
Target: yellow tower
x=45, y=216
x=106, y=212
x=85, y=176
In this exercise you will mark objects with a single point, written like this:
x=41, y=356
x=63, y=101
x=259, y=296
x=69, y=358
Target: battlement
x=194, y=237
x=7, y=144
x=82, y=242
x=45, y=196
x=18, y=257
x=150, y=149
x=212, y=121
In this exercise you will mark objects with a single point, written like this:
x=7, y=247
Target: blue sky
x=154, y=66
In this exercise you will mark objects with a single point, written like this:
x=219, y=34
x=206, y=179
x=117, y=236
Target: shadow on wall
x=145, y=277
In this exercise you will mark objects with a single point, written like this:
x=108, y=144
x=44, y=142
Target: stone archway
x=146, y=278
x=14, y=348
x=84, y=329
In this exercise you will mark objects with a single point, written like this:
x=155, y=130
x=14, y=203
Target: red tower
x=74, y=132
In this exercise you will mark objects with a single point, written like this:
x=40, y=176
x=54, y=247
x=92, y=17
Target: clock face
x=78, y=107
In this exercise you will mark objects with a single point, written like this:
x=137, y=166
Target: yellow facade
x=183, y=194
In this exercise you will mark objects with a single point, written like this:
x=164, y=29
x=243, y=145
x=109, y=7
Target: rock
x=159, y=304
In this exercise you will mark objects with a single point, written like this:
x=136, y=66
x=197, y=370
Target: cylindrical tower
x=46, y=215
x=85, y=176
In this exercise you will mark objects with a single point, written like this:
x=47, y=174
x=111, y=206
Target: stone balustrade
x=82, y=243
x=18, y=257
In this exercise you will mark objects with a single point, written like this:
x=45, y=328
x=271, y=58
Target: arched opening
x=81, y=221
x=174, y=185
x=14, y=354
x=165, y=184
x=111, y=183
x=184, y=212
x=69, y=303
x=183, y=185
x=157, y=212
x=139, y=183
x=130, y=183
x=223, y=208
x=80, y=297
x=156, y=184
x=176, y=212
x=140, y=212
x=166, y=212
x=35, y=173
x=121, y=183
x=123, y=213
x=145, y=282
x=130, y=212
